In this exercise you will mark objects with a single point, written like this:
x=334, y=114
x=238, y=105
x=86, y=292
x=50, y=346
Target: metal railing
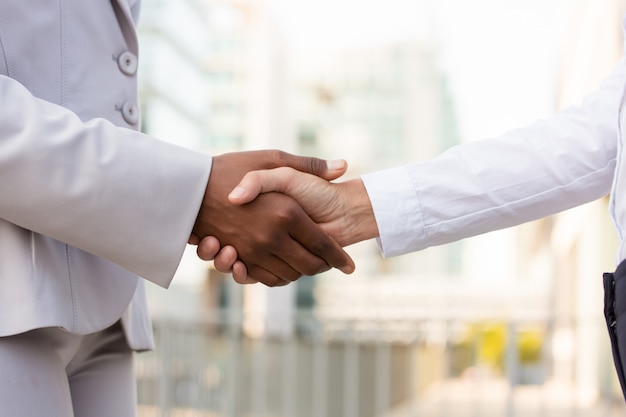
x=366, y=369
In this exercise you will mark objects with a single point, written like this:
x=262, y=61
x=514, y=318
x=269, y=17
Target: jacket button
x=130, y=112
x=127, y=62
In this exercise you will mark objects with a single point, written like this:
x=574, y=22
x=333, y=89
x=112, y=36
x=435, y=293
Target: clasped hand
x=275, y=239
x=343, y=210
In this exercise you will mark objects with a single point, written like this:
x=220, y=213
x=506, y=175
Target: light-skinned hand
x=342, y=209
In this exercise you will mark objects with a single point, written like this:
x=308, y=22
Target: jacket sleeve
x=525, y=174
x=110, y=191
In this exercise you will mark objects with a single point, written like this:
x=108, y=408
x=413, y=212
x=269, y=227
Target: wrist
x=359, y=220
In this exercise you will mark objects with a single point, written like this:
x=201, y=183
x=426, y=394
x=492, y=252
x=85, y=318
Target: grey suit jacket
x=87, y=203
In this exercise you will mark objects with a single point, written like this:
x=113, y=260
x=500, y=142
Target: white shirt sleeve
x=396, y=209
x=525, y=174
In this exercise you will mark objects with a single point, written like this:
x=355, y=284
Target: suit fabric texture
x=89, y=204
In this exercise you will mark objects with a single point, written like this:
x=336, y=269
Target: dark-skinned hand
x=273, y=236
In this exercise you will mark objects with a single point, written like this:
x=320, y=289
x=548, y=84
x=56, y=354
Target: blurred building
x=174, y=83
x=382, y=106
x=248, y=78
x=225, y=81
x=582, y=242
x=218, y=83
x=379, y=106
x=215, y=83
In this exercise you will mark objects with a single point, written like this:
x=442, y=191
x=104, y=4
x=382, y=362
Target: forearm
x=114, y=192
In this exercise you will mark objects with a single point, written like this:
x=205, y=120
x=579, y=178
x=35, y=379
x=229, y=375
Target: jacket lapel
x=126, y=12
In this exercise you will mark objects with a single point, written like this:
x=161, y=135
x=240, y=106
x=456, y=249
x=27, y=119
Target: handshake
x=271, y=217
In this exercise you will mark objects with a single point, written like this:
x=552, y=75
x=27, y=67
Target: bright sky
x=501, y=55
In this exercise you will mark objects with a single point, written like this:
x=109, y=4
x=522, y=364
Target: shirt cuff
x=397, y=211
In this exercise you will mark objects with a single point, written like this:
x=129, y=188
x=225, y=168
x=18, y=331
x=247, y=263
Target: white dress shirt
x=549, y=166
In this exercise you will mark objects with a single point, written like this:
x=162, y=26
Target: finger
x=316, y=241
x=322, y=168
x=276, y=266
x=301, y=259
x=263, y=181
x=335, y=169
x=240, y=274
x=307, y=247
x=262, y=275
x=193, y=239
x=208, y=248
x=225, y=259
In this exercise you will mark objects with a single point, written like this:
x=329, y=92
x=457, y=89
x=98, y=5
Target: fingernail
x=238, y=192
x=335, y=165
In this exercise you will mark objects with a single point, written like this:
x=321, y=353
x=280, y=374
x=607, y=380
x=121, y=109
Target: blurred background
x=505, y=324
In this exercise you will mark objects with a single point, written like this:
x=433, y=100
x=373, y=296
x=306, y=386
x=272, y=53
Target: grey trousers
x=51, y=373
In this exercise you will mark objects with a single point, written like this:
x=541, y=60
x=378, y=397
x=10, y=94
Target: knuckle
x=268, y=244
x=221, y=267
x=314, y=166
x=322, y=247
x=259, y=246
x=252, y=176
x=278, y=158
x=293, y=276
x=262, y=276
x=286, y=213
x=315, y=267
x=276, y=281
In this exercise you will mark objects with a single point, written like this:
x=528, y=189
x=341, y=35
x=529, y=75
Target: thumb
x=328, y=170
x=264, y=181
